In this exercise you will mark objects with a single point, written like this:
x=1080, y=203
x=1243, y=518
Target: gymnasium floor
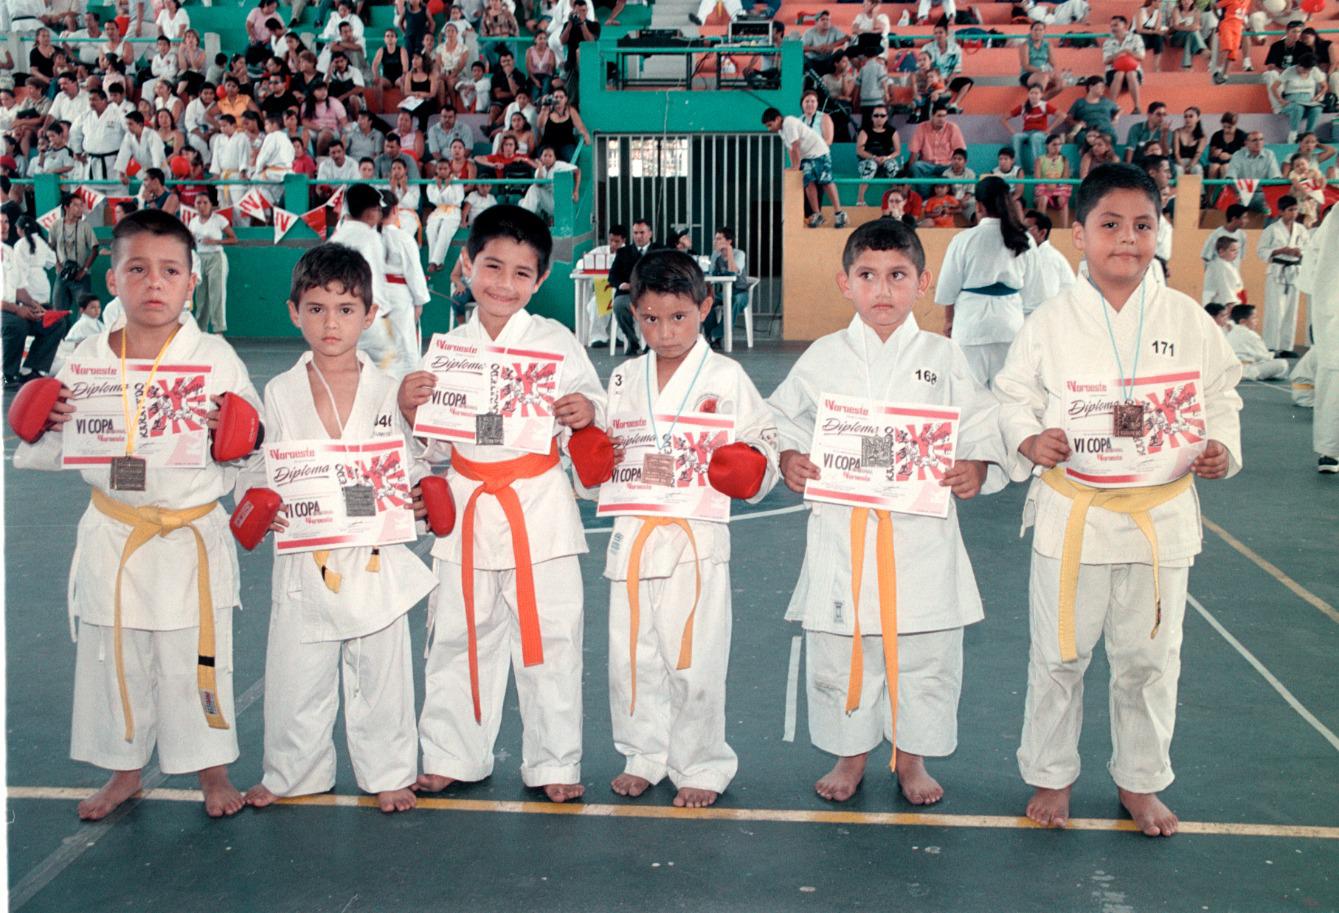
x=1256, y=753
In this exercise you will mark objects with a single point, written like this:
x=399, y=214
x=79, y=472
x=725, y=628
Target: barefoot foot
x=1147, y=810
x=431, y=783
x=916, y=784
x=221, y=797
x=396, y=800
x=122, y=785
x=563, y=792
x=630, y=785
x=840, y=783
x=259, y=797
x=1049, y=807
x=689, y=797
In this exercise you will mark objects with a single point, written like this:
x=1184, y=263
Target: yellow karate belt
x=649, y=525
x=147, y=522
x=885, y=560
x=1136, y=503
x=332, y=579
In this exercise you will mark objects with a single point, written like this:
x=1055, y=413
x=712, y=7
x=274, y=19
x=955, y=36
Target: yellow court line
x=766, y=815
x=1272, y=570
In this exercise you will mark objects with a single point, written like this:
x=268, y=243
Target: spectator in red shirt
x=1036, y=113
x=933, y=143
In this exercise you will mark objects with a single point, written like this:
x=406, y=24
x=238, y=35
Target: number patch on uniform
x=927, y=375
x=1162, y=347
x=384, y=421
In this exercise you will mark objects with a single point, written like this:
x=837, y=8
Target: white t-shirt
x=811, y=144
x=210, y=229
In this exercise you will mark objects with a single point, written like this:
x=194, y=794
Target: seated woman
x=507, y=162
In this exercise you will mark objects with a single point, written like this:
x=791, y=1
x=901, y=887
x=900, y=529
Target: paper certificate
x=341, y=494
x=888, y=456
x=489, y=394
x=172, y=430
x=694, y=438
x=1173, y=436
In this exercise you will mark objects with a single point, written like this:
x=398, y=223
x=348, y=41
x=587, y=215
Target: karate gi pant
x=404, y=331
x=1280, y=323
x=302, y=687
x=1325, y=421
x=986, y=360
x=679, y=724
x=441, y=228
x=164, y=699
x=454, y=744
x=1265, y=370
x=1114, y=601
x=929, y=682
x=211, y=296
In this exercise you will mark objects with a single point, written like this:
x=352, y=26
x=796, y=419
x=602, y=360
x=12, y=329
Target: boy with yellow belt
x=1114, y=394
x=154, y=578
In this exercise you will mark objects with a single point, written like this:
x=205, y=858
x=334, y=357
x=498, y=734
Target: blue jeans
x=713, y=328
x=1299, y=113
x=923, y=169
x=1036, y=142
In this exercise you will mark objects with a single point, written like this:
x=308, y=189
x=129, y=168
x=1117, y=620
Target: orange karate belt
x=145, y=523
x=649, y=525
x=496, y=479
x=886, y=564
x=1133, y=502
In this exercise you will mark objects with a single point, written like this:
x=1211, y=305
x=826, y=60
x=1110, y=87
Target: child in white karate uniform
x=1244, y=337
x=446, y=197
x=342, y=610
x=88, y=325
x=1281, y=245
x=668, y=706
x=493, y=604
x=909, y=687
x=1222, y=279
x=155, y=625
x=1121, y=571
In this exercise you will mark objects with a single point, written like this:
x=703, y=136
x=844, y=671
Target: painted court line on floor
x=1268, y=676
x=762, y=815
x=1272, y=570
x=89, y=833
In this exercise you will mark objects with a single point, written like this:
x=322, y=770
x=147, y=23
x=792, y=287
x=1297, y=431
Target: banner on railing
x=1246, y=188
x=283, y=221
x=317, y=221
x=90, y=196
x=49, y=219
x=253, y=204
x=187, y=214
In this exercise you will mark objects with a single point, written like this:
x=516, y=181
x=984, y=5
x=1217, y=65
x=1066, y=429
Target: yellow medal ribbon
x=132, y=427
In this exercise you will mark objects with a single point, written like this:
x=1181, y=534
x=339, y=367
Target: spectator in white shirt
x=1116, y=51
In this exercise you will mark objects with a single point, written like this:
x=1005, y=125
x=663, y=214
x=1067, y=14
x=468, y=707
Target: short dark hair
x=668, y=272
x=770, y=114
x=1241, y=312
x=1042, y=219
x=520, y=225
x=1236, y=211
x=85, y=300
x=360, y=198
x=153, y=222
x=726, y=232
x=619, y=229
x=156, y=173
x=1006, y=150
x=1213, y=309
x=332, y=264
x=1287, y=201
x=1106, y=179
x=884, y=234
x=1223, y=243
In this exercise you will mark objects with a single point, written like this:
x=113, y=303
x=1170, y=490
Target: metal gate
x=699, y=181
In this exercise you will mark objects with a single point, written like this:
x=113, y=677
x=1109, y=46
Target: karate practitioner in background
x=669, y=717
x=1320, y=280
x=1104, y=578
x=1053, y=268
x=495, y=609
x=908, y=690
x=988, y=274
x=345, y=610
x=359, y=230
x=140, y=672
x=406, y=292
x=1281, y=245
x=1250, y=349
x=446, y=197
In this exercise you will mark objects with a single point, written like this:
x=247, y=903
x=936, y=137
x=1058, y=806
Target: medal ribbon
x=132, y=427
x=1138, y=339
x=651, y=402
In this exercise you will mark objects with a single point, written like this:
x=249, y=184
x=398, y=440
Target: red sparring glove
x=239, y=432
x=253, y=516
x=439, y=503
x=31, y=409
x=737, y=470
x=51, y=318
x=592, y=453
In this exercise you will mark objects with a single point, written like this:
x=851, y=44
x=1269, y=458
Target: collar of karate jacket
x=518, y=325
x=857, y=330
x=187, y=338
x=673, y=391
